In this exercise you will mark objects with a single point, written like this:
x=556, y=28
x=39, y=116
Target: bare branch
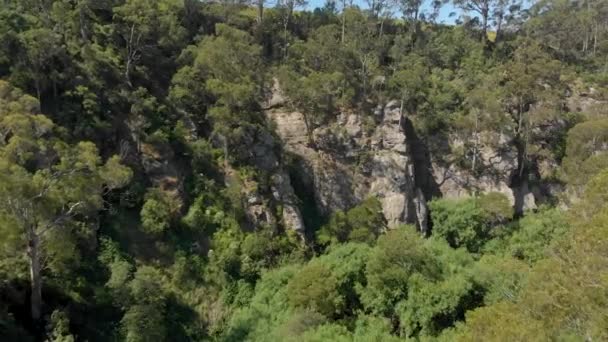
x=69, y=213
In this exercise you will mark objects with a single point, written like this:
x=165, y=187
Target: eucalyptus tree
x=46, y=184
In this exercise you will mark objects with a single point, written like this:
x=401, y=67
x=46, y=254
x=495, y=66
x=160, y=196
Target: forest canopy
x=147, y=193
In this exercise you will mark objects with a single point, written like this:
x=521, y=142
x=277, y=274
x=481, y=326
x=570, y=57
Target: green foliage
x=49, y=188
x=594, y=197
x=315, y=288
x=158, y=21
x=327, y=332
x=554, y=303
x=370, y=328
x=501, y=277
x=328, y=284
x=266, y=310
x=585, y=153
x=13, y=262
x=317, y=95
x=102, y=81
x=145, y=318
x=533, y=235
x=433, y=306
x=60, y=328
x=468, y=222
x=303, y=298
x=363, y=223
x=410, y=83
x=299, y=323
x=261, y=251
x=496, y=207
x=199, y=216
x=155, y=216
x=436, y=301
x=144, y=322
x=158, y=211
x=563, y=31
x=397, y=256
x=230, y=63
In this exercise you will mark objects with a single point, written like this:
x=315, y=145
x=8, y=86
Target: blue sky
x=444, y=14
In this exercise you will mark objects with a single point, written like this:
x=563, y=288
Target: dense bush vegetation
x=126, y=133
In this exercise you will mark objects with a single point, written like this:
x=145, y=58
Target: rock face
x=282, y=192
x=585, y=101
x=358, y=155
x=260, y=207
x=498, y=165
x=456, y=182
x=349, y=163
x=159, y=165
x=392, y=170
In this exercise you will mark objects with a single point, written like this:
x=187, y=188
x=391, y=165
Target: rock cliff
x=275, y=202
x=358, y=155
x=349, y=161
x=378, y=153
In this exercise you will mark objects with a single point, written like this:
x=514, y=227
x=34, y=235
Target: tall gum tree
x=488, y=10
x=46, y=184
x=528, y=91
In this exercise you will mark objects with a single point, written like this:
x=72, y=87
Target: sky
x=444, y=14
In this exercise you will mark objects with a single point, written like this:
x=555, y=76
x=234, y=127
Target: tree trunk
x=498, y=28
x=484, y=26
x=83, y=32
x=286, y=18
x=364, y=71
x=373, y=9
x=33, y=251
x=38, y=91
x=309, y=129
x=585, y=43
x=343, y=20
x=520, y=142
x=285, y=24
x=260, y=10
x=595, y=40
x=415, y=24
x=225, y=152
x=521, y=156
x=476, y=142
x=131, y=54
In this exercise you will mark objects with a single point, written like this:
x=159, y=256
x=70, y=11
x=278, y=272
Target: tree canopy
x=148, y=193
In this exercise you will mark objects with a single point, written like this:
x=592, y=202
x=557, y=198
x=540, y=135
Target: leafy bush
x=363, y=223
x=158, y=211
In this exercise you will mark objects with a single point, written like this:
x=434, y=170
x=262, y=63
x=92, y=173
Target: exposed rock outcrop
x=283, y=193
x=160, y=166
x=392, y=177
x=259, y=207
x=585, y=101
x=350, y=163
x=498, y=165
x=357, y=155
